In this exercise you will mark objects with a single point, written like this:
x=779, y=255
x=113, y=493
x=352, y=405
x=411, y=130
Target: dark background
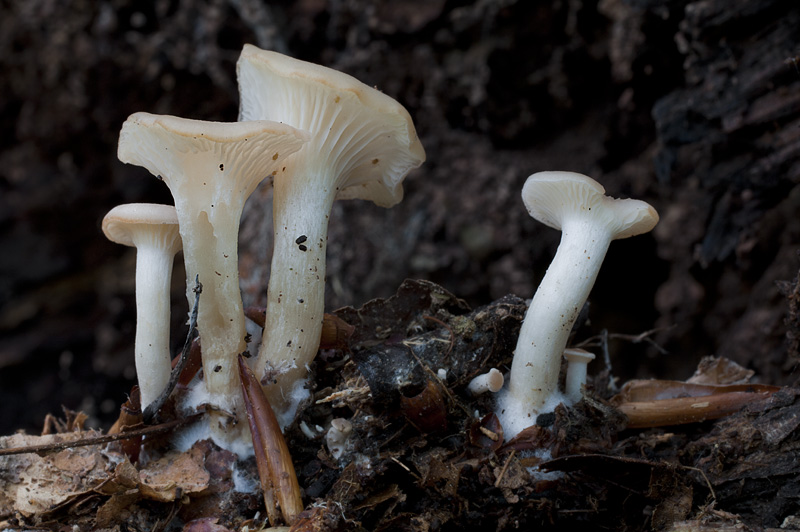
x=691, y=106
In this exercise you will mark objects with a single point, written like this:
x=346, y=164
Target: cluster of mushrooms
x=317, y=135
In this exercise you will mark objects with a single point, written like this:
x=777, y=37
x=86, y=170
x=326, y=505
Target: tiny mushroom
x=337, y=436
x=589, y=221
x=491, y=381
x=362, y=144
x=153, y=230
x=211, y=168
x=577, y=360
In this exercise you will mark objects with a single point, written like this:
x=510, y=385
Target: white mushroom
x=589, y=221
x=362, y=145
x=491, y=381
x=153, y=231
x=211, y=168
x=337, y=436
x=577, y=360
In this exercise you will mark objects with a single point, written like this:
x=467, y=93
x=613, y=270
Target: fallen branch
x=98, y=440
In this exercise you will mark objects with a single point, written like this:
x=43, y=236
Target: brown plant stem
x=275, y=468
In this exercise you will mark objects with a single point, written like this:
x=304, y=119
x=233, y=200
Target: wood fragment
x=275, y=468
x=655, y=403
x=130, y=416
x=97, y=440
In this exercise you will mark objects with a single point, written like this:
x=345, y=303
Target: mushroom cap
x=493, y=381
x=184, y=151
x=575, y=354
x=365, y=137
x=342, y=425
x=554, y=197
x=213, y=132
x=128, y=224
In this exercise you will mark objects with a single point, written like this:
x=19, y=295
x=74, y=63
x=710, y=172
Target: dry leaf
x=173, y=476
x=32, y=484
x=720, y=370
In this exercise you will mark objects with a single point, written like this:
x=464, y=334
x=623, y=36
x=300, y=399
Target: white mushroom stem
x=577, y=362
x=362, y=144
x=553, y=311
x=211, y=168
x=311, y=433
x=153, y=230
x=153, y=280
x=589, y=221
x=491, y=381
x=337, y=436
x=296, y=294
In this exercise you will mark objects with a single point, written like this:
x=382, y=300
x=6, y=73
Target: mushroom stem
x=589, y=221
x=361, y=145
x=296, y=292
x=211, y=168
x=153, y=231
x=152, y=354
x=577, y=360
x=210, y=253
x=552, y=313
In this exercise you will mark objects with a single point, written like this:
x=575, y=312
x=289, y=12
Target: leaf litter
x=424, y=454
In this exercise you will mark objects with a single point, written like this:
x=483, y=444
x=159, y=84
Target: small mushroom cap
x=554, y=197
x=491, y=381
x=127, y=224
x=341, y=425
x=365, y=137
x=578, y=355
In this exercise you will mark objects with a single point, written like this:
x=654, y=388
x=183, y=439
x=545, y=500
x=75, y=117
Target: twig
x=160, y=525
x=603, y=338
x=505, y=467
x=152, y=409
x=97, y=440
x=708, y=482
x=401, y=464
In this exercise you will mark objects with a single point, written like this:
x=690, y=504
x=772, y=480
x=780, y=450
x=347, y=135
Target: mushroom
x=577, y=360
x=491, y=381
x=337, y=436
x=153, y=230
x=362, y=144
x=589, y=221
x=211, y=168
